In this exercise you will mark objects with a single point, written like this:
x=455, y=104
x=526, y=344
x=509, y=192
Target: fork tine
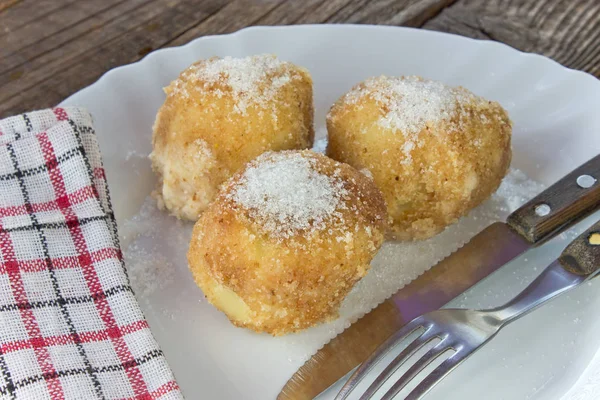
x=400, y=359
x=377, y=356
x=417, y=367
x=438, y=374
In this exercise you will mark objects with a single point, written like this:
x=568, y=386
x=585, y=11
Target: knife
x=567, y=201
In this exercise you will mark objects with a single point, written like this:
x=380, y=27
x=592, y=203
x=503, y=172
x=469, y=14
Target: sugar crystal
x=287, y=194
x=251, y=80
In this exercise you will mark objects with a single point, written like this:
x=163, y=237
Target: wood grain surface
x=50, y=49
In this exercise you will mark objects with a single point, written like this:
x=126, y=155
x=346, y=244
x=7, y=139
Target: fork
x=462, y=331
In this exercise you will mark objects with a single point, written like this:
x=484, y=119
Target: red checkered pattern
x=70, y=327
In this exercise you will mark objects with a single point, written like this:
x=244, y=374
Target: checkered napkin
x=70, y=327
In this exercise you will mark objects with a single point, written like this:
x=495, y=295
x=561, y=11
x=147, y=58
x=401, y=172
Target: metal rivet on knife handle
x=563, y=203
x=586, y=181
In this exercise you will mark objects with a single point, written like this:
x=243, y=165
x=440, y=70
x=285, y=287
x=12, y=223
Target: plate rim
x=478, y=42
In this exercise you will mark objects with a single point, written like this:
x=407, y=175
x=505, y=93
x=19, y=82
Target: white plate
x=557, y=127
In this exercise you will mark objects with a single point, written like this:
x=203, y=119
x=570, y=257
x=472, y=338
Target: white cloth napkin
x=70, y=327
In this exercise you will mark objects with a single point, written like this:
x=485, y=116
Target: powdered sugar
x=411, y=104
x=202, y=151
x=287, y=194
x=151, y=258
x=320, y=145
x=251, y=80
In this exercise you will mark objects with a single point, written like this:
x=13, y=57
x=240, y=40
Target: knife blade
x=542, y=218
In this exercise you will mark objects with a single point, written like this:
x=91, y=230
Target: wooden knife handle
x=582, y=256
x=563, y=203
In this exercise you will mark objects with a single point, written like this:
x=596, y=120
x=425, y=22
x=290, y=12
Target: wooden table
x=49, y=49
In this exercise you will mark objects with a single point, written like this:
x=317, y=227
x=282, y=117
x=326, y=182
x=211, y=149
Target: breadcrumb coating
x=286, y=240
x=435, y=151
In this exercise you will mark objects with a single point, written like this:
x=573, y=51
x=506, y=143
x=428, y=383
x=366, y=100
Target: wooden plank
x=51, y=23
x=386, y=12
x=324, y=12
x=416, y=15
x=290, y=12
x=566, y=31
x=308, y=12
x=86, y=40
x=77, y=31
x=234, y=16
x=346, y=13
x=5, y=4
x=126, y=48
x=53, y=76
x=393, y=12
x=33, y=71
x=21, y=12
x=34, y=39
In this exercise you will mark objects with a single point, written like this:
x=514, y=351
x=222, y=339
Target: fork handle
x=565, y=202
x=582, y=256
x=578, y=262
